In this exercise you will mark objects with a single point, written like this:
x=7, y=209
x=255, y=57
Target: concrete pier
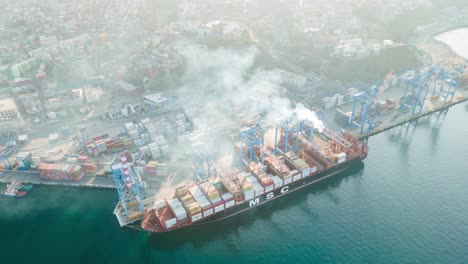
x=32, y=177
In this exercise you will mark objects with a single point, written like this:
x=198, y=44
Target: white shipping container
x=145, y=150
x=159, y=204
x=230, y=203
x=258, y=189
x=297, y=177
x=195, y=191
x=207, y=212
x=203, y=202
x=313, y=169
x=278, y=182
x=180, y=213
x=252, y=179
x=249, y=195
x=174, y=203
x=72, y=160
x=227, y=196
x=170, y=223
x=129, y=126
x=197, y=217
x=219, y=208
x=216, y=200
x=139, y=142
x=269, y=188
x=305, y=172
x=134, y=134
x=153, y=145
x=341, y=157
x=287, y=180
x=155, y=152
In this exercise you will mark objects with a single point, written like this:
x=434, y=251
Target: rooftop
x=7, y=104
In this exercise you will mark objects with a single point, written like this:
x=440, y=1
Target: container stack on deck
x=213, y=195
x=297, y=163
x=259, y=171
x=177, y=209
x=246, y=186
x=189, y=203
x=232, y=188
x=277, y=166
x=226, y=196
x=200, y=198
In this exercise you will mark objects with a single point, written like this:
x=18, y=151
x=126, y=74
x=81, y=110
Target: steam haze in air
x=225, y=77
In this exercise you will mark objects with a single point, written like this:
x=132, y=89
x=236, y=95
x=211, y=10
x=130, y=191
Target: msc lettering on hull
x=268, y=196
x=254, y=202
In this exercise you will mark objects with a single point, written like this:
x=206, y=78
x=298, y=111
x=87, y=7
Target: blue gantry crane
x=202, y=160
x=364, y=109
x=252, y=137
x=291, y=127
x=127, y=188
x=417, y=88
x=446, y=84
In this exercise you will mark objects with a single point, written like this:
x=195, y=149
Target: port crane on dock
x=130, y=207
x=366, y=105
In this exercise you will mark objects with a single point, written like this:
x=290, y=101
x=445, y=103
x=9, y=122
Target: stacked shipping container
x=60, y=172
x=105, y=145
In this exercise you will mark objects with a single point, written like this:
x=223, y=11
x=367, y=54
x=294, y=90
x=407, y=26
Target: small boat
x=17, y=189
x=25, y=187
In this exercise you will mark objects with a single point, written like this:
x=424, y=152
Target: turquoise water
x=407, y=204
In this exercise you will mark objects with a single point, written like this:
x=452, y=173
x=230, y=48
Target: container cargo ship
x=272, y=174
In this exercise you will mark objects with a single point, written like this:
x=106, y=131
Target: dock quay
x=32, y=177
x=407, y=120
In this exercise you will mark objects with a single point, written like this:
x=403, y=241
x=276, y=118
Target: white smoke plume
x=226, y=83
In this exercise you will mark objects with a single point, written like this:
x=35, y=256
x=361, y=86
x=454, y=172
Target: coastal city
x=194, y=111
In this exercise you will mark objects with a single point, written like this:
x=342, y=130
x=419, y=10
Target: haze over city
x=206, y=131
